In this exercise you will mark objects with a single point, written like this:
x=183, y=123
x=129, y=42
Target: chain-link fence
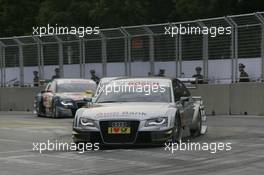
x=140, y=51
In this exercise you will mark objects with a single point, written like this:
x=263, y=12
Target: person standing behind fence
x=35, y=79
x=95, y=78
x=198, y=75
x=161, y=73
x=243, y=74
x=57, y=74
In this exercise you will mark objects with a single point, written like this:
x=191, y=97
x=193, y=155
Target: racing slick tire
x=38, y=111
x=177, y=131
x=196, y=132
x=38, y=114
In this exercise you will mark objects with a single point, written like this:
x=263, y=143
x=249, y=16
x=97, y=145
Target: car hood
x=139, y=111
x=73, y=95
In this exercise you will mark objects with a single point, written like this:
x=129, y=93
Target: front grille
x=119, y=138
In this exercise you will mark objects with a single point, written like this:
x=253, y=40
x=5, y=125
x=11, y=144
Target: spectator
x=149, y=74
x=57, y=74
x=95, y=78
x=35, y=79
x=243, y=74
x=198, y=75
x=182, y=75
x=161, y=73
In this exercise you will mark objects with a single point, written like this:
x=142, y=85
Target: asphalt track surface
x=18, y=131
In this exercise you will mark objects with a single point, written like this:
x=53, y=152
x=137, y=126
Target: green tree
x=17, y=17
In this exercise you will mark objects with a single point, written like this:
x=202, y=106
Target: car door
x=182, y=96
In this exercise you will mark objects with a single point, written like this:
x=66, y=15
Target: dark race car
x=62, y=97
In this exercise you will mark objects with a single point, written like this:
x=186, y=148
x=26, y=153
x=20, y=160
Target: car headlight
x=66, y=103
x=160, y=121
x=86, y=122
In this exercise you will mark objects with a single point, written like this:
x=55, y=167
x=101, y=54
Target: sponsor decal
x=121, y=113
x=119, y=130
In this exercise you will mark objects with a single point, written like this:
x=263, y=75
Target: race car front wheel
x=55, y=113
x=198, y=129
x=177, y=132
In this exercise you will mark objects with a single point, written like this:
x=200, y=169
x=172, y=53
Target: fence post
x=60, y=56
x=128, y=38
x=205, y=52
x=42, y=72
x=180, y=54
x=104, y=54
x=4, y=65
x=1, y=64
x=82, y=57
x=126, y=49
x=151, y=50
x=234, y=48
x=261, y=19
x=21, y=61
x=2, y=60
x=40, y=57
x=176, y=53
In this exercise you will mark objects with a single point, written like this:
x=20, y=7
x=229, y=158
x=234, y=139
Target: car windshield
x=75, y=87
x=135, y=93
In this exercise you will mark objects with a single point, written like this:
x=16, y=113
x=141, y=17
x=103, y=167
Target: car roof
x=159, y=79
x=107, y=79
x=61, y=80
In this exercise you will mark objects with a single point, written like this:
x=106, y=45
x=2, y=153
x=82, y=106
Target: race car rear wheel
x=38, y=111
x=177, y=132
x=198, y=129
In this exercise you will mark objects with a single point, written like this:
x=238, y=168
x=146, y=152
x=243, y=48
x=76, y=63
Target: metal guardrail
x=144, y=43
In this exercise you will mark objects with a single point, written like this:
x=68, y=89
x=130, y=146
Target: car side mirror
x=88, y=99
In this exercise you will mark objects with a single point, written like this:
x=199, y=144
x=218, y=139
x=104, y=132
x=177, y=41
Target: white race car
x=140, y=111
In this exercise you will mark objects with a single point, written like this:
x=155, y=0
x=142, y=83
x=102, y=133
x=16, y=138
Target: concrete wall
x=247, y=98
x=17, y=99
x=216, y=98
x=219, y=99
x=235, y=99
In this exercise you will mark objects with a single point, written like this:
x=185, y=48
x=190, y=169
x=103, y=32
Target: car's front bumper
x=66, y=112
x=142, y=137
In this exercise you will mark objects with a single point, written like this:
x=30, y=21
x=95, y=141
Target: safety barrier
x=234, y=99
x=219, y=99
